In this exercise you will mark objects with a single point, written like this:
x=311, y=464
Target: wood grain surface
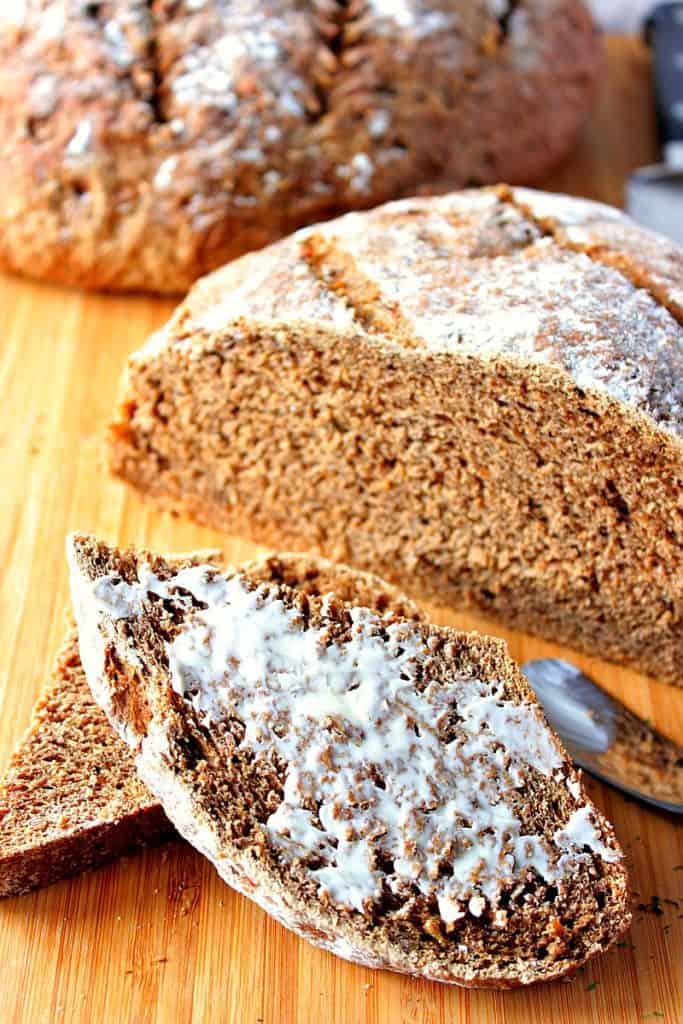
x=157, y=937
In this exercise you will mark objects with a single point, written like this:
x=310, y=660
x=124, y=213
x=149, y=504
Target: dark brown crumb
x=653, y=907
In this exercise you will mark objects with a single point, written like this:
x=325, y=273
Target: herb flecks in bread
x=71, y=799
x=390, y=790
x=446, y=392
x=142, y=144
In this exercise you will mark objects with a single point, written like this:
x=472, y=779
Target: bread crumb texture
x=71, y=799
x=477, y=396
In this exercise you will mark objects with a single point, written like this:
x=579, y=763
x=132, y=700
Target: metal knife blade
x=605, y=738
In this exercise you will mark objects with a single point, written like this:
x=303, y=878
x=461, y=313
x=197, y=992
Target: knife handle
x=664, y=32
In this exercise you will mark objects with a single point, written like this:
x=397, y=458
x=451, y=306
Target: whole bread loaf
x=388, y=789
x=71, y=799
x=145, y=142
x=476, y=396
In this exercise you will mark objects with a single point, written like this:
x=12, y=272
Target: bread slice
x=387, y=789
x=477, y=396
x=71, y=799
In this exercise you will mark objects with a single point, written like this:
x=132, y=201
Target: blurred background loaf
x=144, y=143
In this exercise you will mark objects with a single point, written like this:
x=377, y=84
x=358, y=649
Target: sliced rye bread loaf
x=145, y=142
x=387, y=789
x=477, y=396
x=71, y=799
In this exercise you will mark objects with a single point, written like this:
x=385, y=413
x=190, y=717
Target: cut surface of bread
x=386, y=788
x=477, y=396
x=71, y=799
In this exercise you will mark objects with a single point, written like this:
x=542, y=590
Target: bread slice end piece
x=70, y=799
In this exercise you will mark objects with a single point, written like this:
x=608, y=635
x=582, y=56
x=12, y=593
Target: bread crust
x=146, y=142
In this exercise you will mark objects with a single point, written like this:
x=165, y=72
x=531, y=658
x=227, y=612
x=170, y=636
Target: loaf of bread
x=71, y=799
x=476, y=396
x=387, y=789
x=145, y=142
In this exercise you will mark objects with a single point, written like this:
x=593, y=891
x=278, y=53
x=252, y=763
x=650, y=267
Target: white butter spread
x=397, y=800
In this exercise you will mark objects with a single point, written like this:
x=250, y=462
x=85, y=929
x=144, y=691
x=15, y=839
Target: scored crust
x=145, y=142
x=477, y=396
x=243, y=771
x=70, y=799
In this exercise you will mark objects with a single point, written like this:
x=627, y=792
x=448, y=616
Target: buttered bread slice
x=71, y=799
x=388, y=789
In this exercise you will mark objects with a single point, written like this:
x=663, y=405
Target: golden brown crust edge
x=335, y=300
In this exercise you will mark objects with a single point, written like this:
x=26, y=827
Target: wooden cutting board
x=157, y=937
